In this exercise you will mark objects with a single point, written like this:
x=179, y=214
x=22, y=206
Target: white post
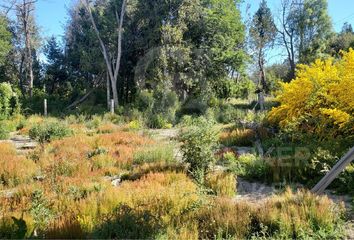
x=45, y=108
x=112, y=106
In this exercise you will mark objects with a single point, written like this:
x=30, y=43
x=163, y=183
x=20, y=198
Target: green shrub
x=132, y=114
x=248, y=166
x=186, y=121
x=76, y=119
x=238, y=137
x=97, y=151
x=145, y=101
x=6, y=94
x=221, y=183
x=4, y=132
x=95, y=122
x=194, y=106
x=199, y=142
x=162, y=153
x=135, y=125
x=128, y=223
x=48, y=131
x=113, y=118
x=40, y=210
x=157, y=121
x=7, y=126
x=227, y=113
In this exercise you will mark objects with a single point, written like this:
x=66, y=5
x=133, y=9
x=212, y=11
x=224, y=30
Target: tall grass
x=15, y=169
x=156, y=198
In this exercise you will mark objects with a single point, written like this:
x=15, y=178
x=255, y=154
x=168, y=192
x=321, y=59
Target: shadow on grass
x=128, y=223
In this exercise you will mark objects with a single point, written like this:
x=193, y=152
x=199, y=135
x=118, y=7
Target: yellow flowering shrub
x=321, y=97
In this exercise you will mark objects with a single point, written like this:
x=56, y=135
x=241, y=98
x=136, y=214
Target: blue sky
x=52, y=14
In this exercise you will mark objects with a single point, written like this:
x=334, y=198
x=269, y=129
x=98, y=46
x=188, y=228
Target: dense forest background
x=160, y=52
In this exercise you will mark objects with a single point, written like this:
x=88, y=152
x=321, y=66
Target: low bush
x=128, y=223
x=95, y=122
x=15, y=169
x=145, y=101
x=238, y=137
x=186, y=121
x=248, y=166
x=300, y=215
x=221, y=183
x=228, y=113
x=4, y=132
x=157, y=121
x=9, y=103
x=113, y=118
x=135, y=125
x=8, y=126
x=161, y=153
x=48, y=131
x=199, y=142
x=224, y=219
x=107, y=128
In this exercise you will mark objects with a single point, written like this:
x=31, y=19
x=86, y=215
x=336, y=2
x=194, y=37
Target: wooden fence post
x=112, y=106
x=45, y=108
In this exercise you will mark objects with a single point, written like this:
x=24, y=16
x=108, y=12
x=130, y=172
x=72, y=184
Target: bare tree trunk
x=263, y=80
x=287, y=37
x=30, y=67
x=24, y=10
x=113, y=71
x=21, y=76
x=108, y=92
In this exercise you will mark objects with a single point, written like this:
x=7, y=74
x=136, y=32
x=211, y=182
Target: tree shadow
x=128, y=223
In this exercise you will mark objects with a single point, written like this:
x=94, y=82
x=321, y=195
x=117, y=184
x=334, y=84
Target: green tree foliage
x=8, y=101
x=314, y=29
x=199, y=142
x=224, y=36
x=305, y=30
x=83, y=57
x=183, y=46
x=262, y=32
x=5, y=98
x=5, y=39
x=342, y=41
x=55, y=70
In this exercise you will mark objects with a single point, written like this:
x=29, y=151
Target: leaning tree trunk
x=113, y=71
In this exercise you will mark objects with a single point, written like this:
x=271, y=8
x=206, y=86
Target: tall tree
x=342, y=41
x=179, y=45
x=5, y=39
x=25, y=16
x=112, y=59
x=262, y=32
x=55, y=69
x=305, y=29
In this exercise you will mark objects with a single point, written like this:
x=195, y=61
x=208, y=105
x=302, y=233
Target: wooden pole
x=112, y=106
x=335, y=171
x=45, y=108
